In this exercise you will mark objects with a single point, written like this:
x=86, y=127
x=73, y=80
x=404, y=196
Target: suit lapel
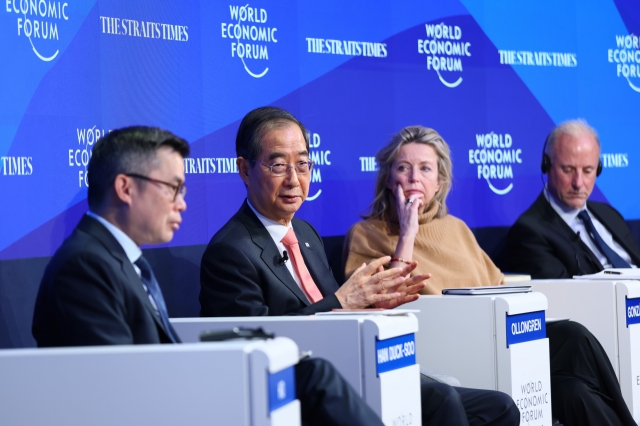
x=557, y=224
x=619, y=234
x=108, y=241
x=554, y=221
x=270, y=254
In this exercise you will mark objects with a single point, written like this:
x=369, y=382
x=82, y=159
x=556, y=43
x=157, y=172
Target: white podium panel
x=389, y=352
x=195, y=384
x=495, y=342
x=589, y=302
x=604, y=307
x=628, y=298
x=374, y=353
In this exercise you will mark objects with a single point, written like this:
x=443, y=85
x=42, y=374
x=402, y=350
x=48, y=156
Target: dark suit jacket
x=240, y=274
x=541, y=244
x=91, y=295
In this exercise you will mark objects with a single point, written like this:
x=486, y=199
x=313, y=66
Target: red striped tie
x=310, y=288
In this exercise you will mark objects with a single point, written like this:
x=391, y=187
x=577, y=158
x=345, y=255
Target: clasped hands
x=373, y=285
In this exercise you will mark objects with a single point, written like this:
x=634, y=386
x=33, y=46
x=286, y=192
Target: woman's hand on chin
x=408, y=212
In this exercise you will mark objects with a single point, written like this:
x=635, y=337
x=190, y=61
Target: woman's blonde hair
x=383, y=204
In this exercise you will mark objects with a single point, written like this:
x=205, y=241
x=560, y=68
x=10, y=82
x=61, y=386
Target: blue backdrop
x=493, y=77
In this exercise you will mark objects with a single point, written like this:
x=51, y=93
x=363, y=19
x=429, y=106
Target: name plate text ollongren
x=526, y=327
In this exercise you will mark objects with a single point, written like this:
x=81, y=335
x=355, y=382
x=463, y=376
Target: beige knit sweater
x=444, y=247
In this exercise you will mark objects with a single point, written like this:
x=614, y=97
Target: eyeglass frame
x=178, y=189
x=289, y=167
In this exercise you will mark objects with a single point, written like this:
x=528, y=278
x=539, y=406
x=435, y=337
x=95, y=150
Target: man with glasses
x=98, y=289
x=266, y=262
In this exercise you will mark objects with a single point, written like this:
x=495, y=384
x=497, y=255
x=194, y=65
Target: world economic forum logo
x=626, y=56
x=495, y=156
x=79, y=156
x=250, y=37
x=38, y=22
x=445, y=49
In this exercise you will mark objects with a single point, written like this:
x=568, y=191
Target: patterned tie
x=291, y=243
x=613, y=257
x=155, y=294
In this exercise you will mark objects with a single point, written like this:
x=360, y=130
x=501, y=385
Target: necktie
x=613, y=257
x=153, y=289
x=291, y=243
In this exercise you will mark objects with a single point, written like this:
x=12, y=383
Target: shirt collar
x=130, y=248
x=567, y=214
x=275, y=229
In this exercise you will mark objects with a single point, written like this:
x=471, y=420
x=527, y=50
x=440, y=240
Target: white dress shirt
x=570, y=216
x=277, y=231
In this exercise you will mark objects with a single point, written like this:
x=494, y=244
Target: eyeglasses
x=177, y=189
x=282, y=169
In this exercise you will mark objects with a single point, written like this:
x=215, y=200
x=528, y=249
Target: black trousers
x=327, y=399
x=445, y=405
x=584, y=387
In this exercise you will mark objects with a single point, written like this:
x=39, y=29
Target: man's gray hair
x=572, y=128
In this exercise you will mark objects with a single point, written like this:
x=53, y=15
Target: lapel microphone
x=284, y=258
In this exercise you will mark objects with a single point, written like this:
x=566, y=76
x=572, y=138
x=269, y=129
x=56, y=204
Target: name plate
x=633, y=310
x=526, y=327
x=395, y=353
x=282, y=388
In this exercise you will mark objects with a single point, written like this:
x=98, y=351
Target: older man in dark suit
x=563, y=234
x=266, y=262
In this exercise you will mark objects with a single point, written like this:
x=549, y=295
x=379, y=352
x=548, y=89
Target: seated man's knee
x=315, y=370
x=569, y=393
x=436, y=394
x=568, y=330
x=509, y=408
